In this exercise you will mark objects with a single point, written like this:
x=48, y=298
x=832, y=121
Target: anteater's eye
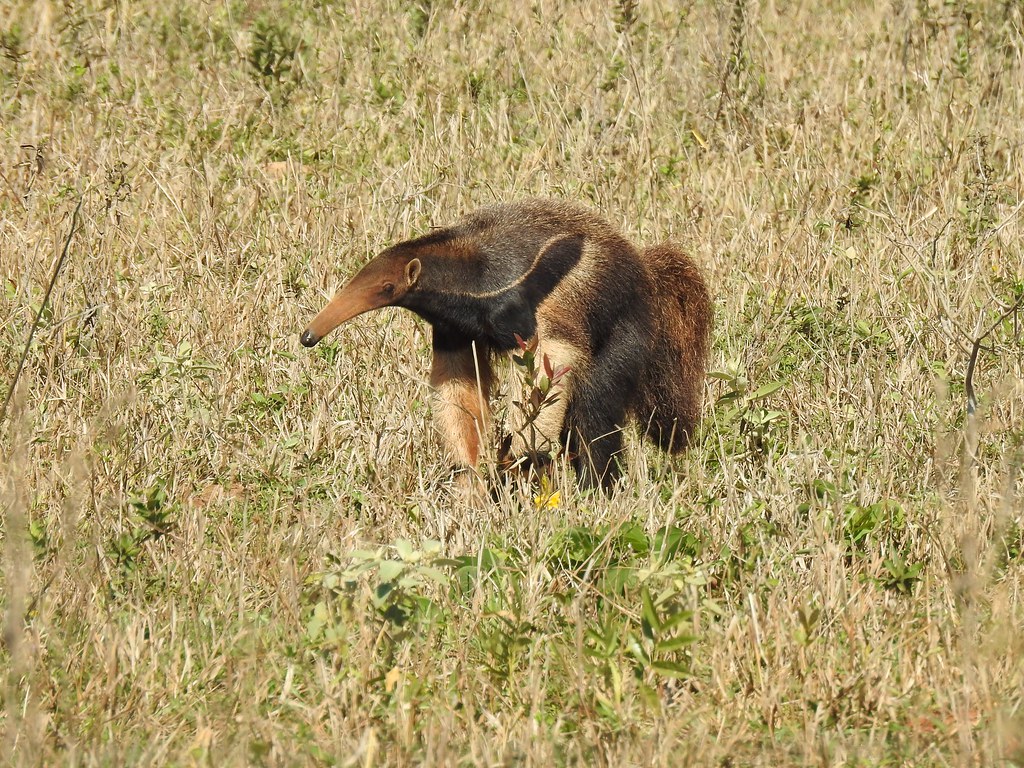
x=388, y=288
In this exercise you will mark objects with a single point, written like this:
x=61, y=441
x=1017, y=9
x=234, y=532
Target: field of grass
x=220, y=548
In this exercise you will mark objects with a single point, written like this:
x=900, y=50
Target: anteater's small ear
x=412, y=272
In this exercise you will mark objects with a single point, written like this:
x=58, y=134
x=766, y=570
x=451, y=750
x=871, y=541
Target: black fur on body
x=488, y=307
x=632, y=325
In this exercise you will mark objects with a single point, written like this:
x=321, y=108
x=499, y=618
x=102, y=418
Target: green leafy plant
x=152, y=515
x=809, y=623
x=273, y=57
x=900, y=576
x=39, y=537
x=12, y=51
x=181, y=364
x=741, y=406
x=152, y=509
x=272, y=51
x=648, y=640
x=502, y=640
x=399, y=585
x=861, y=522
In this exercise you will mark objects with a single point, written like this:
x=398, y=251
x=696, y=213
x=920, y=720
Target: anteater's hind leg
x=594, y=441
x=599, y=409
x=461, y=379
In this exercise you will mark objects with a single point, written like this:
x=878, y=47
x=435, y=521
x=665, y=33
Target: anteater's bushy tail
x=672, y=391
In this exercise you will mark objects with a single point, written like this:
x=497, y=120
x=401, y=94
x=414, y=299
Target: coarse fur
x=632, y=326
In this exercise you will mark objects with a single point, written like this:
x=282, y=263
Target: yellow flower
x=547, y=500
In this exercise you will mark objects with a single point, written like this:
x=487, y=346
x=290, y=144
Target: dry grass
x=189, y=496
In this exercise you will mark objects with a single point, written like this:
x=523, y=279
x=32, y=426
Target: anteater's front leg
x=461, y=380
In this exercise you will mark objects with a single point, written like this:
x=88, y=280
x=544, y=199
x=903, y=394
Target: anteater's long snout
x=360, y=295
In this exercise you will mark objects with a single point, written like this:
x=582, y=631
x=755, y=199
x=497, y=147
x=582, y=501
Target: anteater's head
x=384, y=282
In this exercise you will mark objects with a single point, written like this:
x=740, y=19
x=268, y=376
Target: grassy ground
x=221, y=548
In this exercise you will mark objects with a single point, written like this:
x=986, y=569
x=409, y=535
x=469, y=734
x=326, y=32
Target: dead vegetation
x=222, y=549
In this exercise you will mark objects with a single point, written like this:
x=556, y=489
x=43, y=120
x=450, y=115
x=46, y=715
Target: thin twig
x=972, y=401
x=42, y=308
